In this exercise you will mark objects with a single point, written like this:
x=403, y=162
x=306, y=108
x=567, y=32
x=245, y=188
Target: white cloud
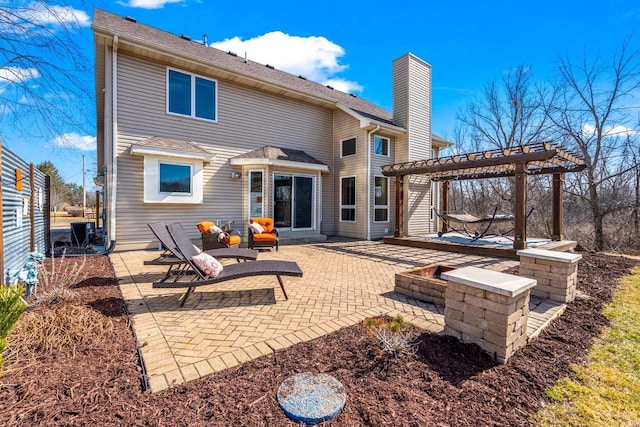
x=75, y=141
x=42, y=14
x=149, y=4
x=315, y=58
x=17, y=75
x=343, y=85
x=617, y=130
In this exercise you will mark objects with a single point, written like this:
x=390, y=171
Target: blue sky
x=350, y=44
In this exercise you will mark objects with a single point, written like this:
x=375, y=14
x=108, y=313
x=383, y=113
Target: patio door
x=294, y=201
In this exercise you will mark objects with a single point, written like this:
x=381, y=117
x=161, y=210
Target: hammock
x=467, y=219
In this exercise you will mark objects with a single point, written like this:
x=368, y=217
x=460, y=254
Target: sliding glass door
x=294, y=201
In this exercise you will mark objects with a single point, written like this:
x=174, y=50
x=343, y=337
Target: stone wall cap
x=492, y=281
x=567, y=257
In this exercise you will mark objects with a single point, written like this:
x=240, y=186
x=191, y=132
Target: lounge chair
x=174, y=259
x=230, y=272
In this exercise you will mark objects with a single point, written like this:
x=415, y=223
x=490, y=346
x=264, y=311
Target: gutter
x=368, y=186
x=114, y=140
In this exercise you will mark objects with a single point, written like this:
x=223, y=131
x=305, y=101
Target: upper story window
x=191, y=95
x=381, y=145
x=348, y=147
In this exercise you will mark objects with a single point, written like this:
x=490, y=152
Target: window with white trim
x=348, y=199
x=381, y=199
x=191, y=95
x=168, y=180
x=348, y=147
x=380, y=145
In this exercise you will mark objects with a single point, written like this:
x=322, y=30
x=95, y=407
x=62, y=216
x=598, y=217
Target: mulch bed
x=448, y=383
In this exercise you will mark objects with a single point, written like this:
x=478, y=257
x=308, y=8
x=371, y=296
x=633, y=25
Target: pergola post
x=399, y=231
x=520, y=208
x=445, y=205
x=556, y=208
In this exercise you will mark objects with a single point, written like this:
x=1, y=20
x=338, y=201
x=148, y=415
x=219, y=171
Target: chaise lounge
x=229, y=272
x=174, y=258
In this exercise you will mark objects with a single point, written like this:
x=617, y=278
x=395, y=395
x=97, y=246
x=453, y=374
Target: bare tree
x=508, y=113
x=43, y=74
x=594, y=113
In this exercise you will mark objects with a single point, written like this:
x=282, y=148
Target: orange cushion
x=204, y=226
x=265, y=237
x=266, y=223
x=234, y=239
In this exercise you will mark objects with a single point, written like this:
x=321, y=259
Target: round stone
x=311, y=399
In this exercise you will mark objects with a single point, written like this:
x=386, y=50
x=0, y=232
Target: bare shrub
x=62, y=328
x=57, y=273
x=57, y=295
x=392, y=339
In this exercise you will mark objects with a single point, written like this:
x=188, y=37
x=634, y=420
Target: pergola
x=519, y=162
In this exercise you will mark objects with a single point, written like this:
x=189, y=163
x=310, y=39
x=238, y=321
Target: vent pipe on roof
x=204, y=39
x=246, y=61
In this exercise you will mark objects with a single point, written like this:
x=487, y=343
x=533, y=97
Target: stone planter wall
x=487, y=308
x=419, y=283
x=555, y=272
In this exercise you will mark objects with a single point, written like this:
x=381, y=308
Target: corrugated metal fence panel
x=16, y=224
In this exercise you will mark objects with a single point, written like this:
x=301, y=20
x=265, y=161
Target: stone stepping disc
x=311, y=399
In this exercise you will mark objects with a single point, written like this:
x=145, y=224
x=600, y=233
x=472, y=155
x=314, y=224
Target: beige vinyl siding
x=247, y=120
x=345, y=127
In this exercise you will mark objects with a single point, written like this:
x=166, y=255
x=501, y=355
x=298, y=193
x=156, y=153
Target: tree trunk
x=598, y=228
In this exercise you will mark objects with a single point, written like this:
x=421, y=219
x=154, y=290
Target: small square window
x=381, y=146
x=175, y=178
x=348, y=147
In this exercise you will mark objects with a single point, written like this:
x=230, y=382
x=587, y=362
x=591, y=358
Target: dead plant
x=393, y=339
x=57, y=295
x=62, y=328
x=62, y=274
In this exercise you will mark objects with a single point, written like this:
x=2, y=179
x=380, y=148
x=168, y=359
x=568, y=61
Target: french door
x=294, y=201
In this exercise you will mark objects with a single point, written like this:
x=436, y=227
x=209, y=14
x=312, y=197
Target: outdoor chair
x=214, y=237
x=229, y=272
x=174, y=259
x=262, y=233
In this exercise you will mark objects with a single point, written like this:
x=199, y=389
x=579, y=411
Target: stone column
x=555, y=272
x=488, y=308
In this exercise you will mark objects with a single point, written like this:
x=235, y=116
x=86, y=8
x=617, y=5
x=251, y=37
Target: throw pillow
x=257, y=228
x=204, y=226
x=224, y=238
x=208, y=264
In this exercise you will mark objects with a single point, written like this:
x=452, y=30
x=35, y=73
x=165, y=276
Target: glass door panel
x=282, y=185
x=255, y=194
x=303, y=202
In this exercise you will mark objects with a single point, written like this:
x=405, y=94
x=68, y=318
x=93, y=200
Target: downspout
x=368, y=186
x=114, y=141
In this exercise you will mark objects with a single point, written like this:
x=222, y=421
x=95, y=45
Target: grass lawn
x=607, y=390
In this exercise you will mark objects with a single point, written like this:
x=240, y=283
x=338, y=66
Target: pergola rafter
x=519, y=162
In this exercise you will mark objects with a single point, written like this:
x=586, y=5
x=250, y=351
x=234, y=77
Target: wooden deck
x=484, y=247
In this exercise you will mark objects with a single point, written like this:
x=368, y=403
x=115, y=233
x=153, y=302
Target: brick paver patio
x=230, y=323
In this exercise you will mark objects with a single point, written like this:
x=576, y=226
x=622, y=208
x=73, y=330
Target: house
x=189, y=133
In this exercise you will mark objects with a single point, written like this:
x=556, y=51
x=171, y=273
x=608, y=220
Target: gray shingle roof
x=278, y=153
x=172, y=144
x=109, y=23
